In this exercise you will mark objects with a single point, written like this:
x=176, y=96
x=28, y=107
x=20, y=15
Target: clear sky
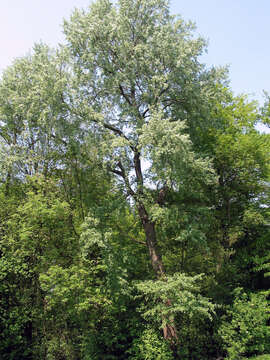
x=238, y=32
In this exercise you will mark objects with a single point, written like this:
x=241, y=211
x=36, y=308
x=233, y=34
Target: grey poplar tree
x=138, y=86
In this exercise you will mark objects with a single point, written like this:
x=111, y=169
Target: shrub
x=244, y=330
x=150, y=346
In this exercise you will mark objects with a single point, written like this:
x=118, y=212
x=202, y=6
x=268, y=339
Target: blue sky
x=238, y=32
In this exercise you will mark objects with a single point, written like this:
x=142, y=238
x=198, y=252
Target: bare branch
x=138, y=170
x=123, y=175
x=145, y=112
x=125, y=95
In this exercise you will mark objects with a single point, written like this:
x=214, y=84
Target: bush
x=150, y=346
x=244, y=330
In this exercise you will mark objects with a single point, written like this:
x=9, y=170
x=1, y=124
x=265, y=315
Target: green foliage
x=198, y=338
x=263, y=264
x=127, y=170
x=33, y=113
x=173, y=295
x=38, y=233
x=244, y=330
x=150, y=346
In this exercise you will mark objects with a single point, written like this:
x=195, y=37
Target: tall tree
x=138, y=86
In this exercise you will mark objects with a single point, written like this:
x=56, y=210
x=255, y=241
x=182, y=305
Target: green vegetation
x=134, y=218
x=245, y=330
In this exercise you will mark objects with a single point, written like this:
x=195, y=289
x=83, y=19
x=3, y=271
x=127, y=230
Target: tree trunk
x=169, y=330
x=151, y=240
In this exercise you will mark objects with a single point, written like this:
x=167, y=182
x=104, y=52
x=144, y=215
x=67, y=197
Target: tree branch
x=123, y=175
x=138, y=170
x=125, y=95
